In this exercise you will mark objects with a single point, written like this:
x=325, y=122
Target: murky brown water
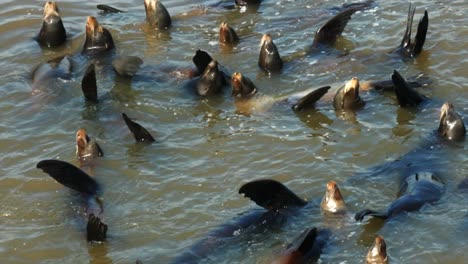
x=161, y=198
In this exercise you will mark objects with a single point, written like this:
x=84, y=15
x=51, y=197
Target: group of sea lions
x=417, y=187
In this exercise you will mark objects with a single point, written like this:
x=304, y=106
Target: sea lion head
x=157, y=15
x=52, y=32
x=451, y=125
x=227, y=35
x=378, y=252
x=98, y=38
x=333, y=201
x=51, y=11
x=269, y=59
x=347, y=98
x=242, y=87
x=210, y=82
x=85, y=147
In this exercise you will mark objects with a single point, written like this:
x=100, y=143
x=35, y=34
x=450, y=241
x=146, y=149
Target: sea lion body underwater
x=46, y=77
x=422, y=185
x=52, y=33
x=76, y=179
x=273, y=196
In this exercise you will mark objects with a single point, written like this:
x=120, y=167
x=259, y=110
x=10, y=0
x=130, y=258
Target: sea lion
x=108, y=9
x=418, y=189
x=211, y=81
x=157, y=15
x=86, y=147
x=244, y=92
x=277, y=199
x=52, y=32
x=76, y=179
x=451, y=125
x=247, y=2
x=347, y=97
x=406, y=95
x=306, y=248
x=269, y=59
x=139, y=133
x=415, y=81
x=127, y=66
x=377, y=254
x=227, y=35
x=412, y=50
x=45, y=75
x=89, y=85
x=333, y=202
x=98, y=38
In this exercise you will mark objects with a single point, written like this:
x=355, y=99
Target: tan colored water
x=161, y=198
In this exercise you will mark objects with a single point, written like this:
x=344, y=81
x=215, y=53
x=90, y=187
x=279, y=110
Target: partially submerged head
x=451, y=125
x=377, y=254
x=333, y=201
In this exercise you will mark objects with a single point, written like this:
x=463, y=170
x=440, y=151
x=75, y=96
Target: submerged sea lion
x=377, y=254
x=333, y=202
x=76, y=179
x=418, y=189
x=306, y=248
x=86, y=147
x=126, y=66
x=157, y=15
x=412, y=50
x=89, y=85
x=45, y=75
x=98, y=38
x=347, y=97
x=108, y=9
x=247, y=2
x=247, y=100
x=227, y=35
x=273, y=196
x=269, y=59
x=52, y=32
x=139, y=133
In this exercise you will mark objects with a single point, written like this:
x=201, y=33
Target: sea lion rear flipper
x=329, y=32
x=139, y=132
x=126, y=66
x=201, y=60
x=69, y=175
x=406, y=96
x=406, y=41
x=420, y=35
x=360, y=215
x=88, y=84
x=271, y=195
x=108, y=9
x=310, y=99
x=96, y=230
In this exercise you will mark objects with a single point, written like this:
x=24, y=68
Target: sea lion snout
x=51, y=9
x=377, y=254
x=333, y=201
x=91, y=24
x=352, y=86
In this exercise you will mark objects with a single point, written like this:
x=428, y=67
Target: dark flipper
x=310, y=99
x=69, y=175
x=201, y=60
x=126, y=66
x=327, y=34
x=406, y=96
x=109, y=9
x=96, y=230
x=139, y=132
x=360, y=215
x=271, y=195
x=415, y=81
x=406, y=41
x=88, y=84
x=420, y=35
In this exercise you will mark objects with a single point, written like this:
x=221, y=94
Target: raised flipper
x=88, y=84
x=310, y=99
x=69, y=175
x=96, y=230
x=328, y=33
x=127, y=66
x=406, y=95
x=415, y=81
x=201, y=60
x=108, y=9
x=420, y=35
x=271, y=195
x=406, y=41
x=360, y=215
x=139, y=132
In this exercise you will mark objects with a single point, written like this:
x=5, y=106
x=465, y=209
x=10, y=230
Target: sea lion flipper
x=201, y=60
x=420, y=35
x=108, y=9
x=329, y=32
x=69, y=175
x=139, y=132
x=406, y=96
x=127, y=66
x=406, y=41
x=88, y=84
x=360, y=215
x=96, y=230
x=271, y=194
x=310, y=99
